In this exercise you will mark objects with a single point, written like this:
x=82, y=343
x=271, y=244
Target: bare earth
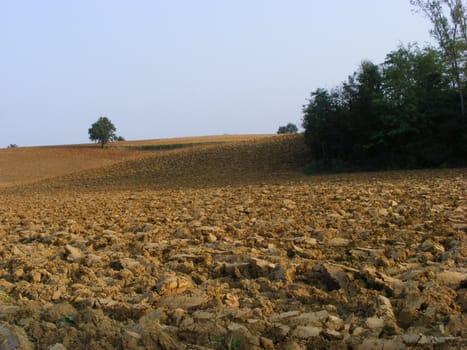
x=226, y=246
x=29, y=164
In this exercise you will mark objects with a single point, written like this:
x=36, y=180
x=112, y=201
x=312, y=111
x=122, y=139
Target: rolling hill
x=173, y=163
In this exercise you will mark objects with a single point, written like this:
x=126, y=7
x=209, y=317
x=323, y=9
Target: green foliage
x=67, y=321
x=235, y=344
x=290, y=128
x=217, y=340
x=399, y=114
x=449, y=20
x=5, y=297
x=102, y=131
x=403, y=113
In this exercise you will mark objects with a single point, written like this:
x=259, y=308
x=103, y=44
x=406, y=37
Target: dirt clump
x=356, y=261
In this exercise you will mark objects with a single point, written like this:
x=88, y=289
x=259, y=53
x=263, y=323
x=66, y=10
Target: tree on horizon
x=102, y=131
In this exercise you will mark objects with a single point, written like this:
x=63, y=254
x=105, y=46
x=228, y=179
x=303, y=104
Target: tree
x=420, y=108
x=401, y=113
x=102, y=131
x=290, y=128
x=450, y=31
x=363, y=99
x=325, y=123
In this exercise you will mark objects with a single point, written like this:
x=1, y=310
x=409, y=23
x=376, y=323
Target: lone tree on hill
x=102, y=131
x=290, y=128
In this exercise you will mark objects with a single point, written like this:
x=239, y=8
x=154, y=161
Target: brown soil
x=229, y=246
x=29, y=164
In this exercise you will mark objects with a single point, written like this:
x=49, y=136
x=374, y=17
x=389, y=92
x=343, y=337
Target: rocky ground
x=363, y=261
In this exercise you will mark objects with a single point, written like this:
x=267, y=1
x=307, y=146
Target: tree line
x=405, y=112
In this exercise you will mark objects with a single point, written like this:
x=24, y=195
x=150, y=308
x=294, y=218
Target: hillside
x=186, y=163
x=19, y=166
x=27, y=165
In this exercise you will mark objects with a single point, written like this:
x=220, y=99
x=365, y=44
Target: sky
x=161, y=69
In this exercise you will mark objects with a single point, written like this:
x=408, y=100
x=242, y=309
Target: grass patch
x=68, y=321
x=217, y=340
x=5, y=298
x=235, y=344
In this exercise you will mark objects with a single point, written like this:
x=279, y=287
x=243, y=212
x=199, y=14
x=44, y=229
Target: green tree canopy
x=102, y=131
x=449, y=20
x=401, y=113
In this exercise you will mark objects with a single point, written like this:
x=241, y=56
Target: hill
x=162, y=164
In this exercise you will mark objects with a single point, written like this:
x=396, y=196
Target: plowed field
x=224, y=244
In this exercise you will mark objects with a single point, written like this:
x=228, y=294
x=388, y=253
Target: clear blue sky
x=172, y=68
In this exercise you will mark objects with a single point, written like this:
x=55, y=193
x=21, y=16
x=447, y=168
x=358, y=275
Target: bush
x=290, y=128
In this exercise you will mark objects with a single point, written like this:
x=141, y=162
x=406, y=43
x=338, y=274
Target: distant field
x=192, y=140
x=25, y=165
x=28, y=164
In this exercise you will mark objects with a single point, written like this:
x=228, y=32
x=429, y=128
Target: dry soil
x=230, y=246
